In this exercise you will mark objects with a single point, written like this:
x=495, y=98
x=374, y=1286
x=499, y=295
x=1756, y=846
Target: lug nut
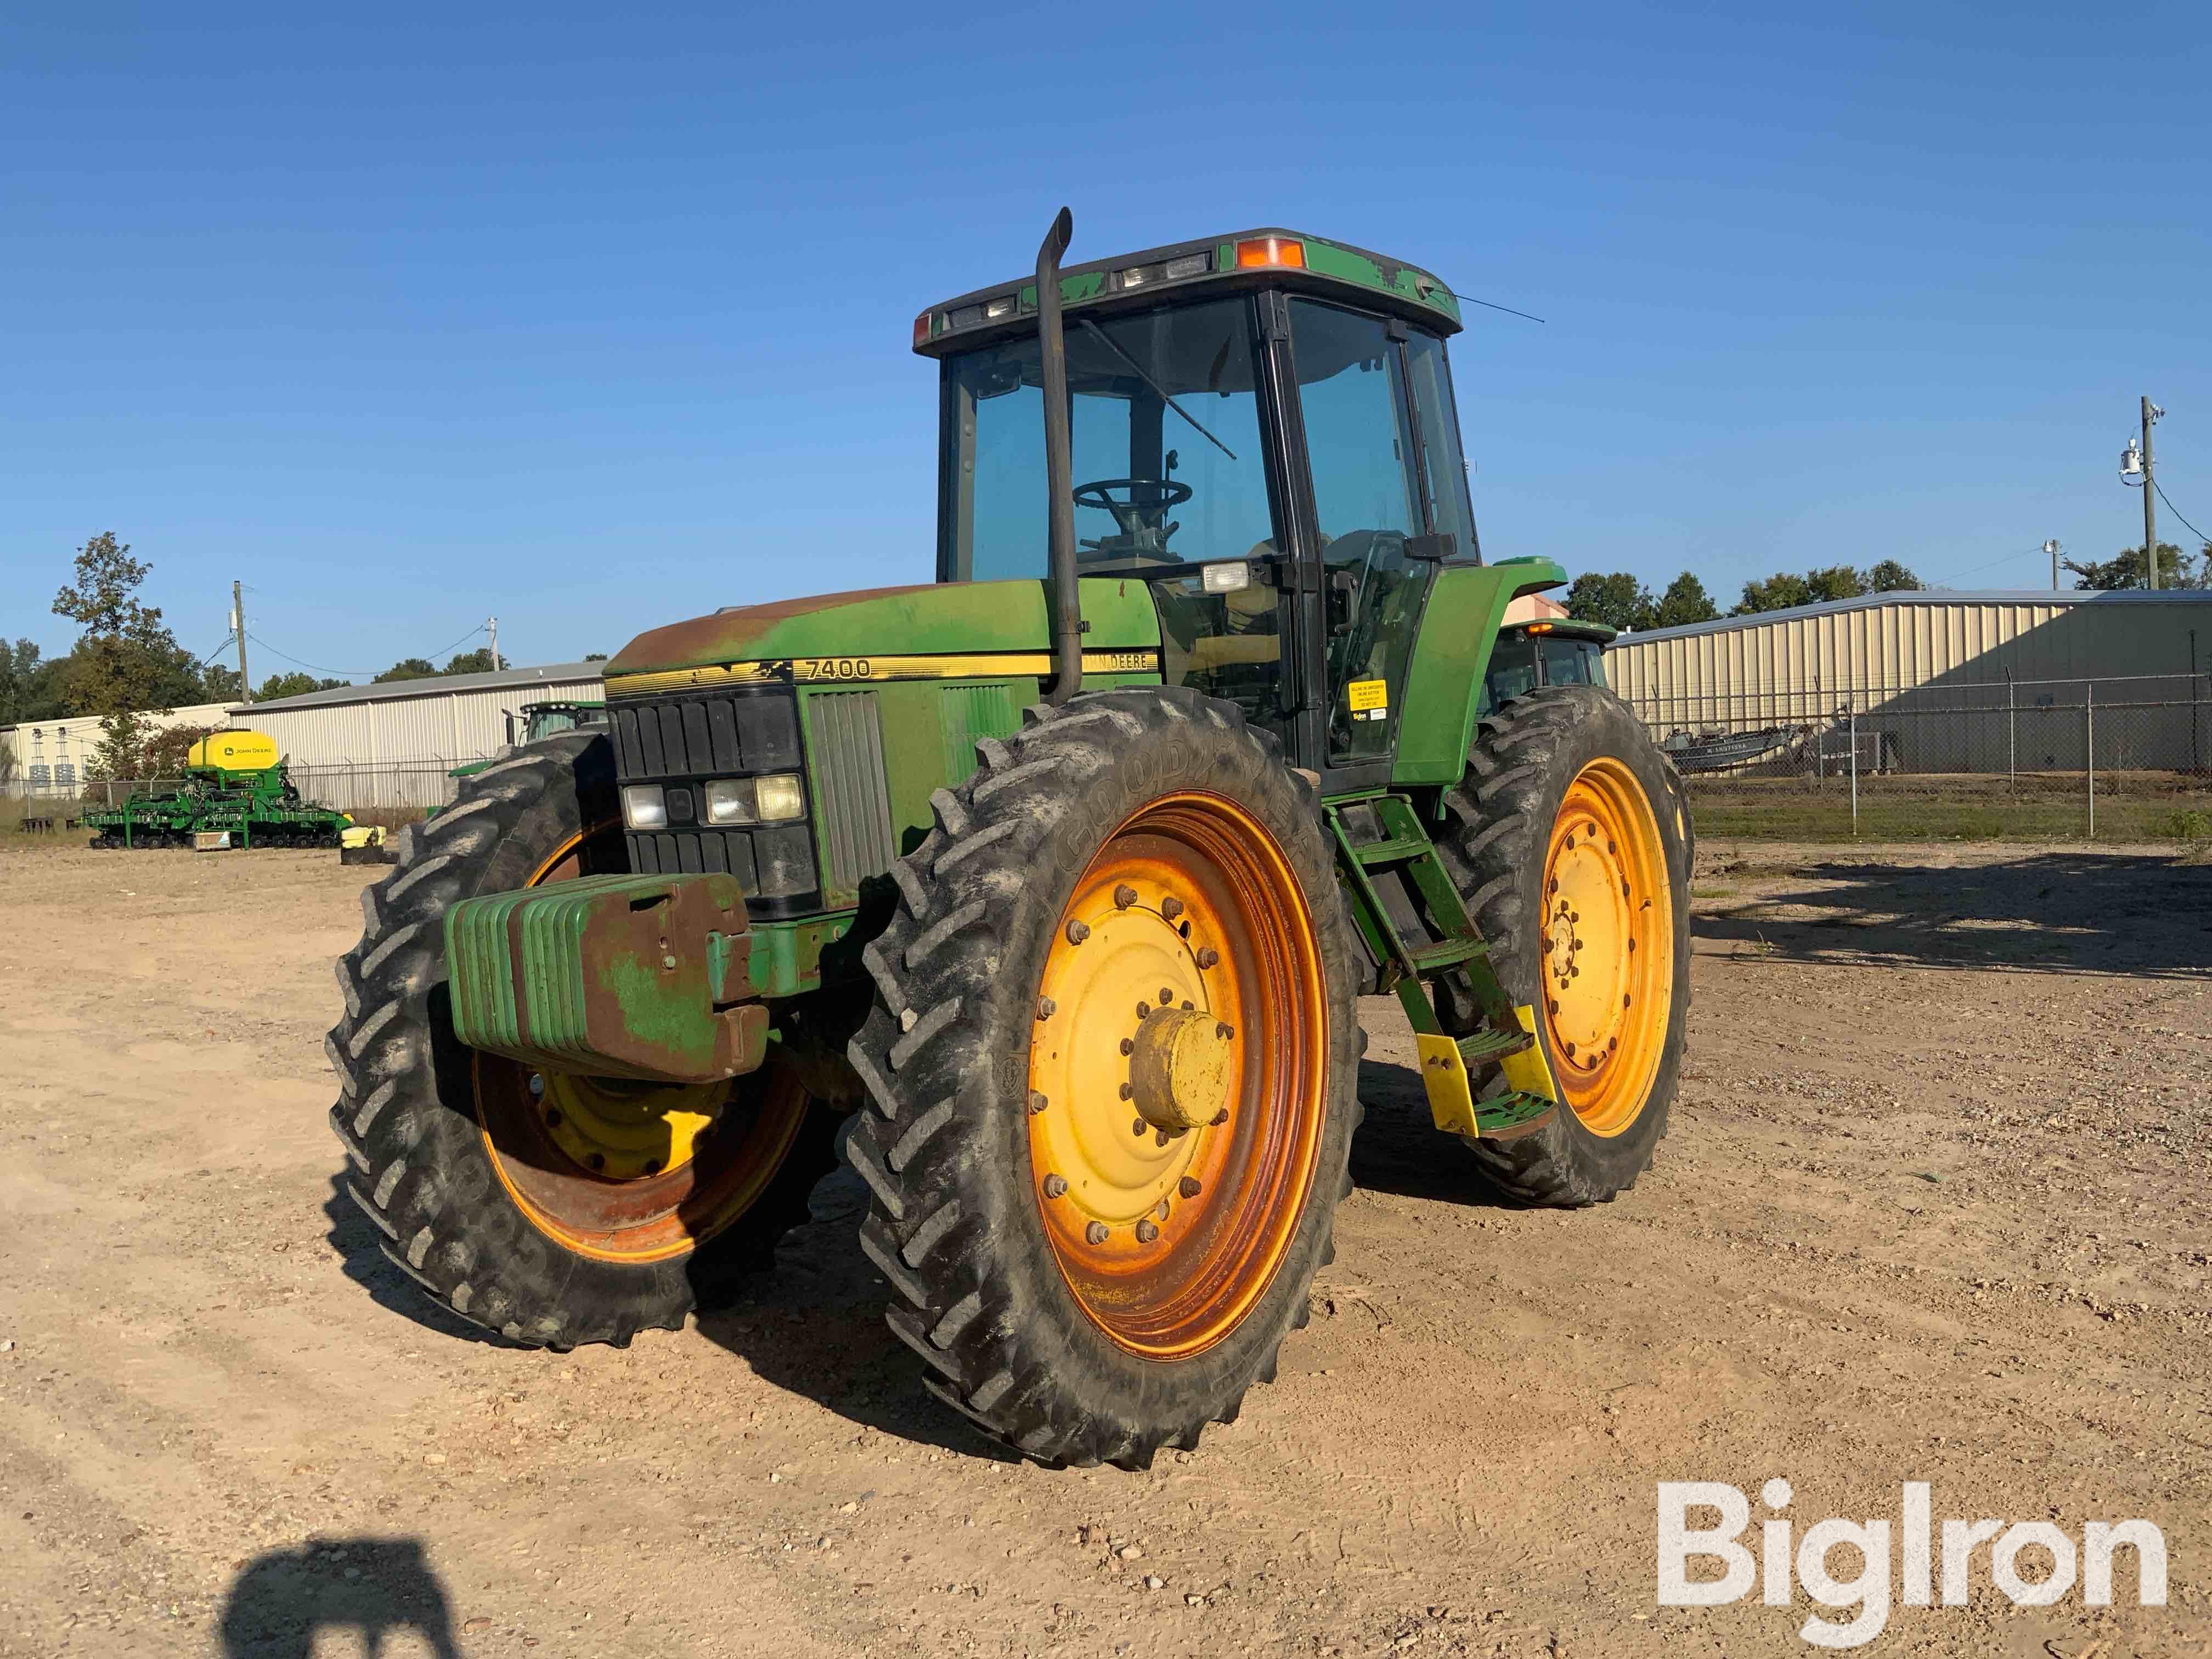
x=1188, y=1006
x=1554, y=885
x=1571, y=844
x=1223, y=1030
x=1623, y=1002
x=1147, y=1230
x=1167, y=997
x=1138, y=1126
x=1038, y=1102
x=552, y=1117
x=1207, y=955
x=1221, y=1117
x=652, y=1166
x=1547, y=944
x=1128, y=1089
x=1144, y=1011
x=1124, y=897
x=1171, y=908
x=1631, y=944
x=1078, y=932
x=1610, y=847
x=1047, y=1007
x=536, y=1083
x=1095, y=1232
x=1571, y=1051
x=597, y=1160
x=1161, y=1136
x=1552, y=1006
x=1160, y=1210
x=1187, y=1187
x=1128, y=1046
x=1055, y=1186
x=1612, y=1045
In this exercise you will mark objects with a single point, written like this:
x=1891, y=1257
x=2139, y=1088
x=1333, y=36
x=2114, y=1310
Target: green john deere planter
x=1058, y=877
x=235, y=786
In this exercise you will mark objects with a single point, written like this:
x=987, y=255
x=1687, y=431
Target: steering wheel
x=1157, y=496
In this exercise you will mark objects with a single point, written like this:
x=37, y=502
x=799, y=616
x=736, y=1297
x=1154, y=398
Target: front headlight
x=778, y=797
x=645, y=806
x=729, y=800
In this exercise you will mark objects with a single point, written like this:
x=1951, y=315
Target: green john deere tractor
x=1059, y=877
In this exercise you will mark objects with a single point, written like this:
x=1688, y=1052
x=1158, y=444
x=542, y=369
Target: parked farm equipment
x=237, y=792
x=1061, y=877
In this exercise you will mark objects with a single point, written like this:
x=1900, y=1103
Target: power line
x=297, y=662
x=358, y=672
x=2001, y=558
x=2176, y=511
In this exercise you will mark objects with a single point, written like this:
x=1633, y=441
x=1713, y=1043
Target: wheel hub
x=625, y=1130
x=1182, y=1069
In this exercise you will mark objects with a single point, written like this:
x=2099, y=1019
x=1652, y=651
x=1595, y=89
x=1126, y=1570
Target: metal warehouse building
x=390, y=744
x=1939, y=681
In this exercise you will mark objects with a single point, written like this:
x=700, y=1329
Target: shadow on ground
x=356, y=1240
x=814, y=1326
x=281, y=1603
x=1398, y=1149
x=2117, y=913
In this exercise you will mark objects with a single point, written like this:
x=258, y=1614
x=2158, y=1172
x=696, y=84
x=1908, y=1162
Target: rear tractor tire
x=1570, y=847
x=1111, y=1074
x=554, y=1209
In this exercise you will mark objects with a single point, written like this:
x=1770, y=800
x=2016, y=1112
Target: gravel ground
x=1937, y=1206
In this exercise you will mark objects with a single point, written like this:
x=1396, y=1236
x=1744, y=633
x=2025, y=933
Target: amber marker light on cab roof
x=1271, y=250
x=922, y=329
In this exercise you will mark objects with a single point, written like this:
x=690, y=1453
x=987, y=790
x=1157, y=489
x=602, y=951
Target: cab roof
x=1238, y=262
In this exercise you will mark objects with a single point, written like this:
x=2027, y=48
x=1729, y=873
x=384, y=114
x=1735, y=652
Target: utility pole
x=492, y=623
x=237, y=630
x=2151, y=412
x=2052, y=548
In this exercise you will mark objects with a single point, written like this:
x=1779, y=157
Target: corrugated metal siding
x=445, y=728
x=848, y=769
x=1798, y=663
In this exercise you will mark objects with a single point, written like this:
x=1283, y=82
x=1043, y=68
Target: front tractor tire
x=1570, y=845
x=1111, y=1075
x=554, y=1209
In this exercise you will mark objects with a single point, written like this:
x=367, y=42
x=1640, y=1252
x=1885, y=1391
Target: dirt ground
x=1936, y=1206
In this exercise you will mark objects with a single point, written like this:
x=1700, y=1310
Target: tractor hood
x=936, y=631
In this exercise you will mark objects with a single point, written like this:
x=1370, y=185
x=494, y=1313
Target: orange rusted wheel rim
x=627, y=1171
x=1177, y=1075
x=1609, y=947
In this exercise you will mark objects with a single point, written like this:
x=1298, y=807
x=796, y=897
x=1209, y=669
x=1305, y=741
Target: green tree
x=477, y=661
x=2125, y=569
x=166, y=750
x=595, y=656
x=1777, y=593
x=1835, y=581
x=219, y=684
x=1890, y=577
x=128, y=662
x=1684, y=602
x=408, y=668
x=19, y=673
x=1618, y=600
x=292, y=684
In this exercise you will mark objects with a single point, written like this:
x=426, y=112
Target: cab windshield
x=1163, y=422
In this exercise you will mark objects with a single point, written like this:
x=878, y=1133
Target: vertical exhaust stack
x=1059, y=481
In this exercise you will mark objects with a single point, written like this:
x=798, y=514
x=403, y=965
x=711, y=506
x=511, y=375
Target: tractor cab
x=1261, y=431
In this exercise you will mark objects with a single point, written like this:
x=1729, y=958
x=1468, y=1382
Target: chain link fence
x=390, y=795
x=2110, y=759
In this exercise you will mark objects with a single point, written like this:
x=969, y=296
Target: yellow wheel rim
x=624, y=1171
x=1609, y=947
x=1188, y=938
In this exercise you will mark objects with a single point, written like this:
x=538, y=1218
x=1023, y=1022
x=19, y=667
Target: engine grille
x=682, y=741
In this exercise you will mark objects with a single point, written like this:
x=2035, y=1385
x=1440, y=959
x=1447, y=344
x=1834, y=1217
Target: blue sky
x=598, y=317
